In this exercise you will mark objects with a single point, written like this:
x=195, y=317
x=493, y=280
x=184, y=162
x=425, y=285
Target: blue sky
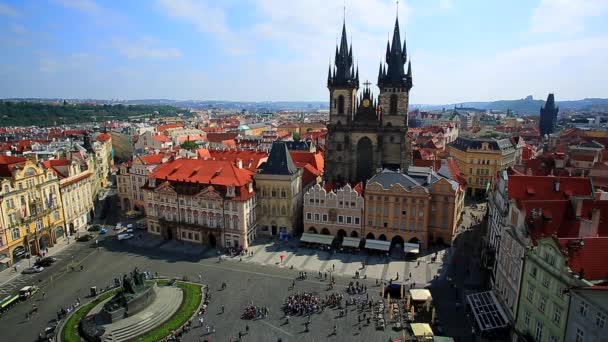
x=257, y=50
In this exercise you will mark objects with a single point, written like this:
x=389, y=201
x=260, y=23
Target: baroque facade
x=366, y=133
x=202, y=201
x=31, y=212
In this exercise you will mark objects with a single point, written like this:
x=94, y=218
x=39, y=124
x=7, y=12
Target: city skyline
x=270, y=51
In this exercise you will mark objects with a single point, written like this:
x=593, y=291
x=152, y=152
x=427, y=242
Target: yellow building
x=104, y=158
x=419, y=207
x=480, y=159
x=76, y=183
x=31, y=212
x=279, y=185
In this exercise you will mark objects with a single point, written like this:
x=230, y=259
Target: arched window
x=340, y=104
x=393, y=105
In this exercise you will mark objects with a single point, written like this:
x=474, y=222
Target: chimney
x=556, y=185
x=589, y=227
x=239, y=163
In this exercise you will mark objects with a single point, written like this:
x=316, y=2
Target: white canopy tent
x=351, y=242
x=317, y=238
x=378, y=245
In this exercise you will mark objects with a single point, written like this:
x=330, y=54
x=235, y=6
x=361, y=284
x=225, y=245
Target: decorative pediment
x=374, y=186
x=209, y=193
x=165, y=188
x=397, y=187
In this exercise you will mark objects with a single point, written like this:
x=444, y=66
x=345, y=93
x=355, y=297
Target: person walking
x=222, y=309
x=335, y=330
x=247, y=329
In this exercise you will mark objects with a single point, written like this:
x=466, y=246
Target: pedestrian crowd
x=303, y=303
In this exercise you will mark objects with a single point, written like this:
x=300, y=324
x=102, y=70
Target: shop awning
x=351, y=242
x=411, y=248
x=420, y=295
x=378, y=244
x=422, y=330
x=317, y=238
x=5, y=260
x=487, y=311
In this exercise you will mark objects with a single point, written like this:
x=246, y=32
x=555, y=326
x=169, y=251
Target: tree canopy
x=47, y=114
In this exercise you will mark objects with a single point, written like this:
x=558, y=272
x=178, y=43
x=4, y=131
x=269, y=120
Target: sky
x=277, y=50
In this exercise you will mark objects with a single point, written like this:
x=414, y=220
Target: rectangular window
x=600, y=319
x=533, y=272
x=580, y=335
x=552, y=338
x=309, y=216
x=557, y=314
x=349, y=219
x=324, y=217
x=357, y=221
x=527, y=319
x=546, y=281
x=538, y=332
x=542, y=303
x=530, y=294
x=583, y=308
x=317, y=217
x=340, y=219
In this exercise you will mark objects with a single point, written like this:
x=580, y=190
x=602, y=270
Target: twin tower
x=366, y=133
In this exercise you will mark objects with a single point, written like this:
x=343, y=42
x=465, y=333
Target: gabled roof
x=152, y=159
x=387, y=178
x=7, y=164
x=279, y=161
x=56, y=166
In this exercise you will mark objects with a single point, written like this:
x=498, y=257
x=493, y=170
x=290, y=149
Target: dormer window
x=230, y=192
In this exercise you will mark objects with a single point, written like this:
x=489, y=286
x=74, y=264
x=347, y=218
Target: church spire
x=345, y=75
x=396, y=57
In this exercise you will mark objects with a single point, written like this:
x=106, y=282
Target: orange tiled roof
x=103, y=137
x=214, y=172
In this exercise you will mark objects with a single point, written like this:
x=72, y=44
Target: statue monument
x=134, y=295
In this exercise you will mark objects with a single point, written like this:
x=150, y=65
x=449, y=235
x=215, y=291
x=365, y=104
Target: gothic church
x=367, y=133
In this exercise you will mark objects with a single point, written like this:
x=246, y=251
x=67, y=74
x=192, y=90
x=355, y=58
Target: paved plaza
x=260, y=278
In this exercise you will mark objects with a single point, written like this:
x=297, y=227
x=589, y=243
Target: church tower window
x=340, y=104
x=393, y=105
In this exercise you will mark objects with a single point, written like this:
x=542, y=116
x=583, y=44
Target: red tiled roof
x=590, y=258
x=161, y=128
x=215, y=172
x=542, y=187
x=220, y=137
x=103, y=137
x=7, y=164
x=251, y=159
x=161, y=138
x=152, y=159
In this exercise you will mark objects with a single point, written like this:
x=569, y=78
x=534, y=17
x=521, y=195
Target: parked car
x=45, y=262
x=103, y=231
x=140, y=226
x=33, y=270
x=124, y=236
x=84, y=238
x=118, y=226
x=95, y=228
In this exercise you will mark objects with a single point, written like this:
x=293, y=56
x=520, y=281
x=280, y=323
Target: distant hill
x=527, y=105
x=47, y=114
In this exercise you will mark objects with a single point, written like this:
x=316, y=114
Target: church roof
x=279, y=161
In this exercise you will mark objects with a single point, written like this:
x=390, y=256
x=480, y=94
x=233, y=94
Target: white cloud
x=207, y=18
x=145, y=48
x=88, y=6
x=565, y=15
x=445, y=5
x=8, y=10
x=536, y=69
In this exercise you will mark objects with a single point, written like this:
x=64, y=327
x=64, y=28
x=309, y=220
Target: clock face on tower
x=366, y=103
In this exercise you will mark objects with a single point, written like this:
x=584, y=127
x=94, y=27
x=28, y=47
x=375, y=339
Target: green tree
x=189, y=145
x=296, y=136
